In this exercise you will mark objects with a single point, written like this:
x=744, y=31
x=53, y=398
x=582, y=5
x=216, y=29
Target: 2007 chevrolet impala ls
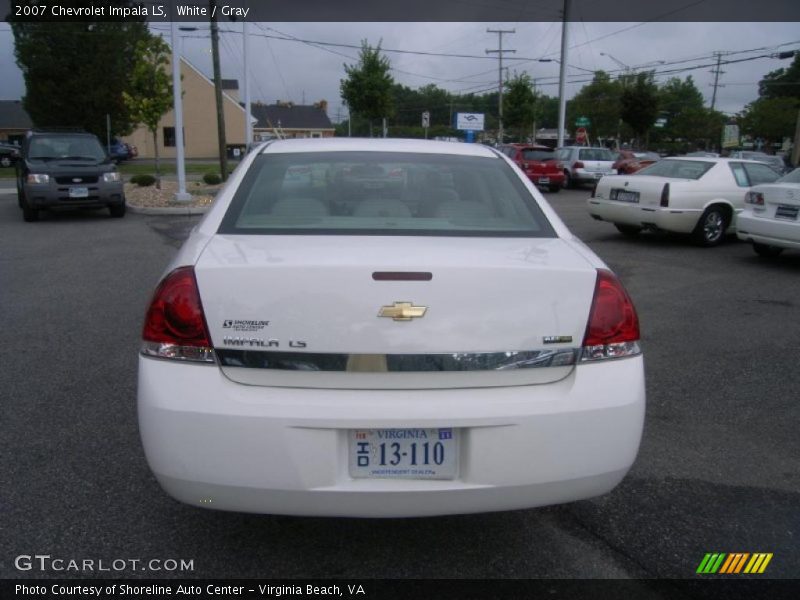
x=382, y=328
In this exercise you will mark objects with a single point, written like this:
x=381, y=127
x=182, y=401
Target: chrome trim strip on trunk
x=397, y=363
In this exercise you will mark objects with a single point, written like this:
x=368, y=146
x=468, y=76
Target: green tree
x=639, y=103
x=367, y=90
x=520, y=105
x=770, y=118
x=782, y=83
x=75, y=73
x=149, y=95
x=599, y=101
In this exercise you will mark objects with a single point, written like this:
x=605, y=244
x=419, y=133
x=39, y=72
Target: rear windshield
x=793, y=177
x=538, y=155
x=383, y=193
x=678, y=169
x=595, y=154
x=66, y=146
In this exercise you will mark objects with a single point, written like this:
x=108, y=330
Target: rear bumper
x=547, y=179
x=217, y=444
x=584, y=176
x=626, y=213
x=771, y=232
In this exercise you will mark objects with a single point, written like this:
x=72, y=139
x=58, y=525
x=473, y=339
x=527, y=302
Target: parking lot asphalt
x=717, y=469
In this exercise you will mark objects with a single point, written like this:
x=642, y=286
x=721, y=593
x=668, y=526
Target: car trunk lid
x=312, y=303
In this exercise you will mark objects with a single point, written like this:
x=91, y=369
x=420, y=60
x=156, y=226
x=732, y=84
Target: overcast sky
x=293, y=70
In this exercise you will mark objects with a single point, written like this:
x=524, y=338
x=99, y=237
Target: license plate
x=598, y=175
x=786, y=212
x=624, y=195
x=544, y=180
x=78, y=192
x=403, y=453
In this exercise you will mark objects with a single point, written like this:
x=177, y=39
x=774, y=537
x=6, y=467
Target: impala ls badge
x=402, y=311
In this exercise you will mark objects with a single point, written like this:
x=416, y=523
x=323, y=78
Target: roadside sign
x=469, y=121
x=426, y=119
x=580, y=135
x=582, y=122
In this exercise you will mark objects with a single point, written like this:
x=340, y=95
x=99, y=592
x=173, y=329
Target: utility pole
x=716, y=84
x=248, y=125
x=223, y=156
x=562, y=76
x=499, y=53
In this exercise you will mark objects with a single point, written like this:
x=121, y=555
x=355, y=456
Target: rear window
x=678, y=169
x=383, y=193
x=538, y=155
x=793, y=177
x=596, y=154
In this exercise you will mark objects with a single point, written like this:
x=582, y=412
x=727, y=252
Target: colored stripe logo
x=734, y=563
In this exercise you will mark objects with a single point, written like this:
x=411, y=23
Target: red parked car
x=538, y=163
x=630, y=161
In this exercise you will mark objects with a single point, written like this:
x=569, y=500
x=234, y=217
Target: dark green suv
x=69, y=169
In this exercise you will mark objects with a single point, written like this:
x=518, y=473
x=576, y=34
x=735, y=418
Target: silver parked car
x=585, y=165
x=776, y=162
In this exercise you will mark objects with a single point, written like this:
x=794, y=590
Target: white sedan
x=697, y=196
x=770, y=218
x=407, y=330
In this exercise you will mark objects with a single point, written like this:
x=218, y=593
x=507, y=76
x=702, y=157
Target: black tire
x=5, y=161
x=29, y=214
x=766, y=251
x=568, y=183
x=711, y=227
x=628, y=230
x=117, y=210
x=554, y=189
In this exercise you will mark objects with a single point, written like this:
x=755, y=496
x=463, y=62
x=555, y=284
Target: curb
x=168, y=211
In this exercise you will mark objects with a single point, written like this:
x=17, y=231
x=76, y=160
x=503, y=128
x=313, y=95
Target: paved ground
x=717, y=469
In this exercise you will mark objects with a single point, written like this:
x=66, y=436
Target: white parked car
x=771, y=219
x=697, y=196
x=585, y=165
x=409, y=329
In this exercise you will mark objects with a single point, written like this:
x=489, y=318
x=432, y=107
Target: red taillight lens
x=613, y=328
x=665, y=196
x=175, y=326
x=577, y=165
x=754, y=198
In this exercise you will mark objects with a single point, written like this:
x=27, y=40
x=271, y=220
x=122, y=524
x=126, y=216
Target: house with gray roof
x=289, y=120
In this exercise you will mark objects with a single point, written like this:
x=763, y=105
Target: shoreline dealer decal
x=244, y=324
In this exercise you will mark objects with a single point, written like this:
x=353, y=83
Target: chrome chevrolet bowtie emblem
x=402, y=311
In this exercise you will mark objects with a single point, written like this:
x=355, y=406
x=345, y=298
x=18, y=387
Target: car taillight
x=754, y=198
x=175, y=326
x=577, y=165
x=613, y=328
x=665, y=196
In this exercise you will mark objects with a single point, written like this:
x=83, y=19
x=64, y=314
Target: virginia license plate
x=624, y=195
x=403, y=453
x=786, y=212
x=78, y=192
